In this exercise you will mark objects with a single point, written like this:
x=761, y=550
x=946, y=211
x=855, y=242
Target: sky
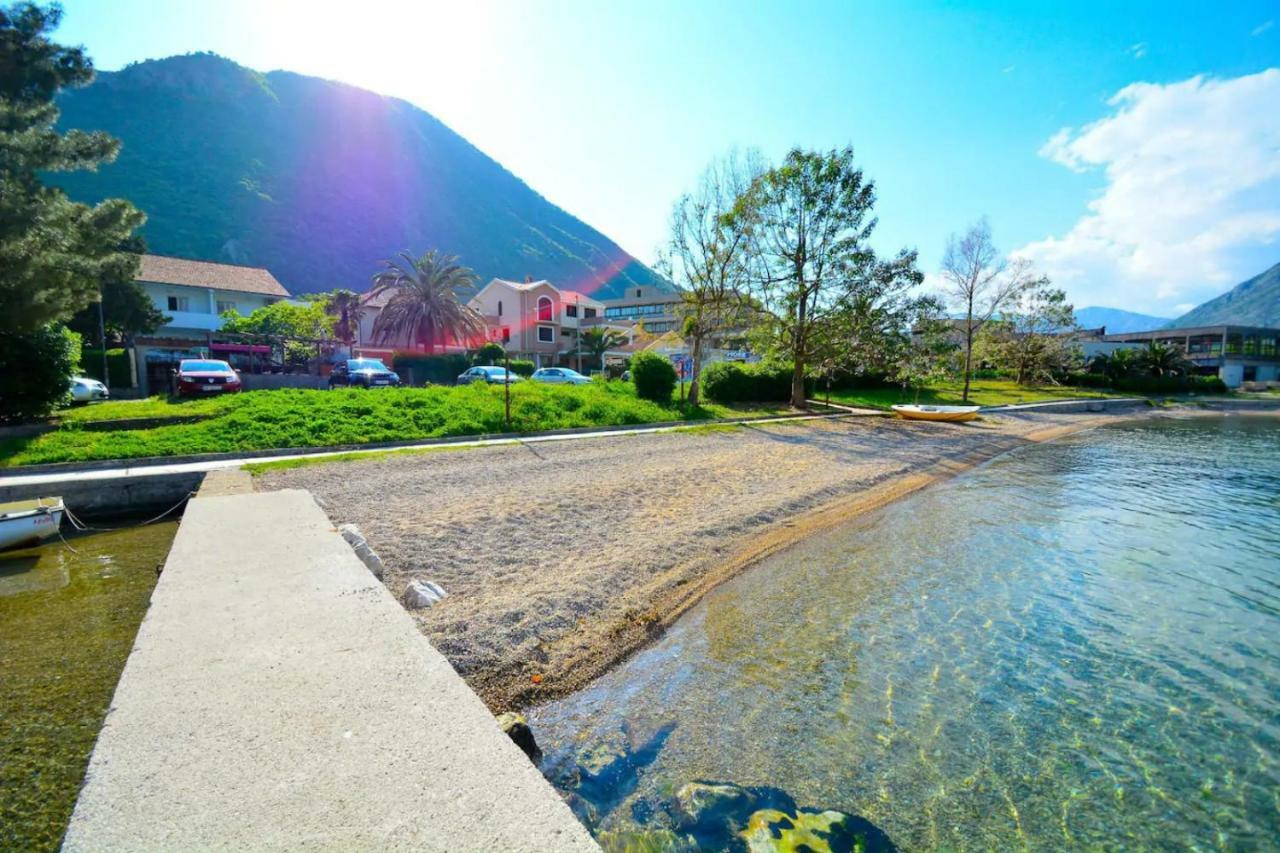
x=1130, y=150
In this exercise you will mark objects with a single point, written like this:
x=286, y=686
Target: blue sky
x=1001, y=109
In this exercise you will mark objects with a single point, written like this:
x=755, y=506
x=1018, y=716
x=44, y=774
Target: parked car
x=560, y=376
x=200, y=377
x=488, y=375
x=86, y=390
x=363, y=373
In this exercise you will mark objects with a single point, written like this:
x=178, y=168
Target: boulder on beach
x=420, y=593
x=702, y=804
x=517, y=728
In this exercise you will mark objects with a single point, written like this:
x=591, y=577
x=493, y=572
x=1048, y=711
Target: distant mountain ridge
x=1255, y=302
x=1117, y=321
x=318, y=181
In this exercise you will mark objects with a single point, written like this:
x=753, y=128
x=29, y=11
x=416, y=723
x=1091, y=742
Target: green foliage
x=428, y=302
x=307, y=322
x=654, y=377
x=258, y=420
x=1026, y=340
x=127, y=310
x=424, y=369
x=1139, y=383
x=730, y=382
x=346, y=309
x=38, y=367
x=491, y=353
x=595, y=341
x=54, y=253
x=522, y=367
x=117, y=366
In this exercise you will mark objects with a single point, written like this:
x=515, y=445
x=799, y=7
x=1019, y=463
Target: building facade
x=195, y=295
x=1236, y=354
x=655, y=309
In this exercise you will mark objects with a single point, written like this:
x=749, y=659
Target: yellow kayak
x=936, y=413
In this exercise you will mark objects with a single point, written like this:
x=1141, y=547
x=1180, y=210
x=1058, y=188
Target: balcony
x=198, y=320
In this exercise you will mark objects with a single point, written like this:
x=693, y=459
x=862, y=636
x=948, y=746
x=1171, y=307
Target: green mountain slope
x=318, y=181
x=1255, y=302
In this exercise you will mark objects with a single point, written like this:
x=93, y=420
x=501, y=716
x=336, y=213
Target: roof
x=160, y=269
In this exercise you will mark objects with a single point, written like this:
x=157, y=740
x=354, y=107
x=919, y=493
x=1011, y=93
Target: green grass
x=264, y=420
x=151, y=407
x=982, y=392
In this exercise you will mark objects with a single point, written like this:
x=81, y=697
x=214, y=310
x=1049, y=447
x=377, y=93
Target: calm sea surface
x=67, y=623
x=1076, y=645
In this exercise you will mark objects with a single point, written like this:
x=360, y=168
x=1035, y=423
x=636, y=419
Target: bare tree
x=979, y=281
x=705, y=255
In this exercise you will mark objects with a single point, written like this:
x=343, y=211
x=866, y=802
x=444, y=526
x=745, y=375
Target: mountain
x=1117, y=321
x=1255, y=302
x=318, y=181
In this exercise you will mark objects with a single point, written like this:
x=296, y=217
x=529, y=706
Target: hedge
x=433, y=369
x=1193, y=384
x=654, y=377
x=731, y=382
x=39, y=367
x=521, y=367
x=117, y=366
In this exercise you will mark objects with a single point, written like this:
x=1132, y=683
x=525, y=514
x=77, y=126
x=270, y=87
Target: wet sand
x=560, y=559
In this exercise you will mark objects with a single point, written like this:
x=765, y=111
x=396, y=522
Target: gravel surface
x=561, y=558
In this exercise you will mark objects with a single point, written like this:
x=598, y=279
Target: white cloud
x=1192, y=193
x=1262, y=28
x=1138, y=50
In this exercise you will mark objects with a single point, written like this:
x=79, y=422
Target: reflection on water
x=67, y=623
x=1075, y=645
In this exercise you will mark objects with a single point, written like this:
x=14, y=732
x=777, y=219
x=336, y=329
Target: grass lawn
x=263, y=420
x=982, y=392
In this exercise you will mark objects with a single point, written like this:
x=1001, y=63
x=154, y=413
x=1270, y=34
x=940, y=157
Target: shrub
x=730, y=382
x=522, y=367
x=39, y=367
x=435, y=369
x=1150, y=384
x=117, y=366
x=490, y=353
x=654, y=377
x=1088, y=380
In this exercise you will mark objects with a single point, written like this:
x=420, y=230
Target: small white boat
x=937, y=413
x=26, y=523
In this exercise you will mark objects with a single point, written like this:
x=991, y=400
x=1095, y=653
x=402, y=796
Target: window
x=506, y=334
x=544, y=310
x=178, y=303
x=499, y=307
x=546, y=334
x=588, y=313
x=224, y=307
x=569, y=333
x=571, y=310
x=638, y=293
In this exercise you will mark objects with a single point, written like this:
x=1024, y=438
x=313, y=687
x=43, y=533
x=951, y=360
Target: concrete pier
x=277, y=697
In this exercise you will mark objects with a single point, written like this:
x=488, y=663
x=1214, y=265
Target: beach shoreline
x=562, y=561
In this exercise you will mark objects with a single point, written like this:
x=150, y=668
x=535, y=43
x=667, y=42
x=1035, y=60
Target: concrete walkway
x=278, y=697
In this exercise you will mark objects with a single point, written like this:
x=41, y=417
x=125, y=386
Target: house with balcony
x=194, y=295
x=1239, y=355
x=531, y=319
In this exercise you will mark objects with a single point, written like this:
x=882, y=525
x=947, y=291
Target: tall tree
x=123, y=310
x=706, y=255
x=598, y=340
x=55, y=254
x=1029, y=339
x=808, y=222
x=980, y=282
x=428, y=302
x=1161, y=359
x=347, y=310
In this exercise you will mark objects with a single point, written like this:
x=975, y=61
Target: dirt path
x=562, y=558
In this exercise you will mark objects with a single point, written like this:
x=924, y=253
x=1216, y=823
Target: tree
x=491, y=353
x=123, y=309
x=347, y=310
x=980, y=283
x=598, y=340
x=1120, y=364
x=653, y=376
x=48, y=358
x=55, y=254
x=808, y=222
x=1029, y=337
x=308, y=321
x=428, y=304
x=706, y=255
x=1161, y=359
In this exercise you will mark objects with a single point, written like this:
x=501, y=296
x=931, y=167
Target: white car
x=86, y=390
x=560, y=375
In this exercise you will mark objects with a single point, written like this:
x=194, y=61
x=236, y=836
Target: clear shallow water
x=1075, y=645
x=67, y=623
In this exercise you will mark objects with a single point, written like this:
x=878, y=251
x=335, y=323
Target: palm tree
x=428, y=304
x=598, y=340
x=345, y=305
x=1161, y=359
x=1118, y=365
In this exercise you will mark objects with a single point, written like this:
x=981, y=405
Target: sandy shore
x=562, y=558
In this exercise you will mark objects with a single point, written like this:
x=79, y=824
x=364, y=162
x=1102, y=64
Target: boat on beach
x=936, y=413
x=25, y=523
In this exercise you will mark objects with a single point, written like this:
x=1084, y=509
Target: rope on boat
x=85, y=528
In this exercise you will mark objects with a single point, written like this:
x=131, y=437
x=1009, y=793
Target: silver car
x=560, y=376
x=488, y=375
x=86, y=390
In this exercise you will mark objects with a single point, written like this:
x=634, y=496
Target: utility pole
x=102, y=339
x=506, y=384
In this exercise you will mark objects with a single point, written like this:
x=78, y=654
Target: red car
x=201, y=377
